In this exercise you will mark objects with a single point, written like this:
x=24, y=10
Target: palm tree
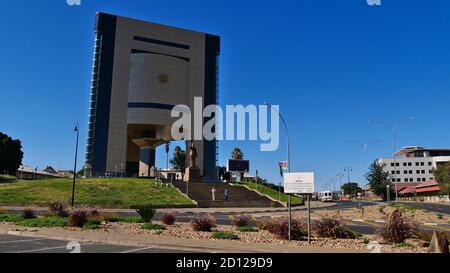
x=237, y=154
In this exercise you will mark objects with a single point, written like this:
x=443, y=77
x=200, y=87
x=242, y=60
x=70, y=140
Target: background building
x=415, y=164
x=140, y=71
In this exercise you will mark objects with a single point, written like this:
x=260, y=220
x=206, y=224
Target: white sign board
x=299, y=183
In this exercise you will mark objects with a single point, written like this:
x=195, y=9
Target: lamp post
x=289, y=162
x=167, y=154
x=393, y=129
x=340, y=175
x=364, y=149
x=77, y=130
x=348, y=170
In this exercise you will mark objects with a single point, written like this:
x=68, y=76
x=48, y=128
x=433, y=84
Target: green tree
x=350, y=188
x=442, y=175
x=237, y=154
x=379, y=179
x=10, y=154
x=179, y=159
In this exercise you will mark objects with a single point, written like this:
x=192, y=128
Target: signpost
x=301, y=183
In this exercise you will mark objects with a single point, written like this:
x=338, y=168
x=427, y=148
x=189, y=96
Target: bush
x=331, y=228
x=10, y=218
x=130, y=219
x=280, y=228
x=224, y=235
x=398, y=228
x=146, y=213
x=92, y=224
x=168, y=218
x=247, y=229
x=203, y=223
x=240, y=220
x=29, y=213
x=58, y=208
x=440, y=216
x=150, y=226
x=51, y=221
x=94, y=214
x=78, y=218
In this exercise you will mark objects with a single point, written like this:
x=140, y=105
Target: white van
x=325, y=196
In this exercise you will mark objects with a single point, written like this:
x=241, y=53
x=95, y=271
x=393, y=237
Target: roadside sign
x=299, y=183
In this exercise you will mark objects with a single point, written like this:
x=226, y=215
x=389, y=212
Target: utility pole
x=77, y=130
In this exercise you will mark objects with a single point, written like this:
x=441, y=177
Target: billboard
x=236, y=165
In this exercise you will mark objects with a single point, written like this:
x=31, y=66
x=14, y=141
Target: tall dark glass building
x=140, y=71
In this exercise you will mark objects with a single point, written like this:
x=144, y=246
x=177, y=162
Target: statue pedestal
x=192, y=174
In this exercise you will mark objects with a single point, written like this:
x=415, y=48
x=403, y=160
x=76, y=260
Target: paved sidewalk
x=314, y=205
x=194, y=245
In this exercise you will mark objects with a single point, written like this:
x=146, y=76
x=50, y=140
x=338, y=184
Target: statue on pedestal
x=192, y=155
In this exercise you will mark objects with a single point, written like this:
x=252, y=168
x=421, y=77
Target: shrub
x=440, y=216
x=78, y=218
x=94, y=214
x=381, y=209
x=150, y=226
x=92, y=224
x=203, y=223
x=280, y=228
x=10, y=218
x=29, y=213
x=247, y=229
x=50, y=221
x=240, y=220
x=225, y=235
x=109, y=217
x=331, y=228
x=398, y=228
x=58, y=208
x=168, y=218
x=146, y=212
x=130, y=219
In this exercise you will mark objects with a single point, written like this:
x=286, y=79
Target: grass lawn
x=273, y=193
x=7, y=178
x=125, y=192
x=405, y=206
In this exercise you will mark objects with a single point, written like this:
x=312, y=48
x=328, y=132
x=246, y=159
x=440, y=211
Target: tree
x=378, y=179
x=11, y=154
x=179, y=159
x=350, y=188
x=442, y=175
x=237, y=154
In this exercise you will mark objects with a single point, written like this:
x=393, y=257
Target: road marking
x=380, y=221
x=430, y=224
x=358, y=220
x=47, y=248
x=23, y=241
x=437, y=227
x=136, y=250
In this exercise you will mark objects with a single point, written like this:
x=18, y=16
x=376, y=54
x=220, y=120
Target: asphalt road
x=18, y=244
x=438, y=208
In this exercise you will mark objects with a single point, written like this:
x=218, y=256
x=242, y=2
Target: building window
x=430, y=163
x=398, y=164
x=406, y=179
x=417, y=163
x=423, y=171
x=422, y=163
x=398, y=172
x=417, y=171
x=399, y=180
x=405, y=172
x=392, y=172
x=418, y=179
x=424, y=179
x=411, y=180
x=410, y=172
x=430, y=171
x=410, y=164
x=393, y=180
x=404, y=164
x=392, y=165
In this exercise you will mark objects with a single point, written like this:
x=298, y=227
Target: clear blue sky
x=330, y=65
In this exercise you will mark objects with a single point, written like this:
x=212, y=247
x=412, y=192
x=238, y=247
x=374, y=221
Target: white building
x=415, y=164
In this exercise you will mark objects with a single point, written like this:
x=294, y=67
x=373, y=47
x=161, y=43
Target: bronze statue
x=192, y=155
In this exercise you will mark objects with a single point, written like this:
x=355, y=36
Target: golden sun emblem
x=163, y=78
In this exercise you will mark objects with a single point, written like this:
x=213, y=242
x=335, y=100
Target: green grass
x=92, y=224
x=130, y=219
x=7, y=178
x=125, y=192
x=151, y=226
x=49, y=221
x=224, y=235
x=404, y=245
x=405, y=206
x=247, y=229
x=440, y=216
x=273, y=193
x=11, y=218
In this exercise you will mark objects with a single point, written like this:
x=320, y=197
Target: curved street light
x=364, y=147
x=393, y=129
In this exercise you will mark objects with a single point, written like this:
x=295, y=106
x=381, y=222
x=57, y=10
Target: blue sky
x=330, y=65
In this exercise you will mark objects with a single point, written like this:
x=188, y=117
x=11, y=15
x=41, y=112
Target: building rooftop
x=407, y=151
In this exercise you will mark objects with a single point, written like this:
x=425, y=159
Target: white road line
x=136, y=250
x=431, y=224
x=23, y=241
x=48, y=248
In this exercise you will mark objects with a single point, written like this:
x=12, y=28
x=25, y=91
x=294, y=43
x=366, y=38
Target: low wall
x=432, y=199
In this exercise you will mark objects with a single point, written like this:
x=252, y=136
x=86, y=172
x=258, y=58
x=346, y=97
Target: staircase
x=238, y=196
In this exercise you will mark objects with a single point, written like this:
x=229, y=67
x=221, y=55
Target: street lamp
x=340, y=175
x=364, y=149
x=77, y=130
x=393, y=129
x=289, y=161
x=167, y=154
